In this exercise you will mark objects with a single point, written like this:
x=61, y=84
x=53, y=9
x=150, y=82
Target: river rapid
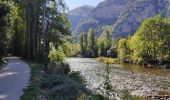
x=111, y=80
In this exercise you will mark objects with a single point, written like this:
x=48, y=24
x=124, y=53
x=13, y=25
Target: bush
x=63, y=87
x=107, y=60
x=56, y=55
x=32, y=91
x=128, y=96
x=3, y=61
x=58, y=68
x=77, y=77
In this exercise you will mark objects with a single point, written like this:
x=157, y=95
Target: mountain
x=76, y=15
x=106, y=13
x=124, y=16
x=134, y=14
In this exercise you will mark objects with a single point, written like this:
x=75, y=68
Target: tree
x=108, y=39
x=123, y=50
x=28, y=26
x=81, y=42
x=91, y=43
x=8, y=13
x=105, y=43
x=151, y=42
x=101, y=47
x=85, y=43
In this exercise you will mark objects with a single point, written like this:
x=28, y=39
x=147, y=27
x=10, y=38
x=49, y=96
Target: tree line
x=90, y=46
x=29, y=26
x=150, y=43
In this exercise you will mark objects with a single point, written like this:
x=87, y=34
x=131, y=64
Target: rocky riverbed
x=113, y=79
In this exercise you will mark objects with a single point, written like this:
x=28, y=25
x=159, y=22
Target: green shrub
x=58, y=68
x=98, y=97
x=56, y=55
x=77, y=77
x=62, y=87
x=107, y=60
x=3, y=61
x=128, y=96
x=32, y=91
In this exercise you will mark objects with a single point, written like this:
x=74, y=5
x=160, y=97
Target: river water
x=110, y=80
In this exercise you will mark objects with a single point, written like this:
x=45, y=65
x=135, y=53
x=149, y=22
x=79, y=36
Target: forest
x=28, y=27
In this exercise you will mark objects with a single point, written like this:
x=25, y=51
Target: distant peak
x=84, y=6
x=87, y=6
x=82, y=10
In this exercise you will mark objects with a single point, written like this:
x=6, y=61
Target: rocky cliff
x=124, y=16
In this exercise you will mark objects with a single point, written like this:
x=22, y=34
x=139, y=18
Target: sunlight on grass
x=107, y=60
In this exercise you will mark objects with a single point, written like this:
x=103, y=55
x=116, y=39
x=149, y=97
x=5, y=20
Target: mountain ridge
x=124, y=16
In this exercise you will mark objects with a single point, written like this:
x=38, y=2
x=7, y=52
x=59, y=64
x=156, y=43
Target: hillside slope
x=106, y=13
x=124, y=16
x=76, y=15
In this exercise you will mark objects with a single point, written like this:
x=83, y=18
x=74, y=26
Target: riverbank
x=57, y=86
x=155, y=65
x=139, y=81
x=107, y=60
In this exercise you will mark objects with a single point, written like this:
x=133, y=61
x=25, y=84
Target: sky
x=77, y=3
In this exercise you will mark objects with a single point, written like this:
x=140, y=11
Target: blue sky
x=77, y=3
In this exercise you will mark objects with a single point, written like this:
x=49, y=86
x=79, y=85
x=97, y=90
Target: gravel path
x=14, y=77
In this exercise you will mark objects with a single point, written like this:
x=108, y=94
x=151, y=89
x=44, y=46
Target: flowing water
x=110, y=80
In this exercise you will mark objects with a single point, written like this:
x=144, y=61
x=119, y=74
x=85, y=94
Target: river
x=110, y=80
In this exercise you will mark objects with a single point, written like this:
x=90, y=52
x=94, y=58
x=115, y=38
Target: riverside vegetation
x=149, y=46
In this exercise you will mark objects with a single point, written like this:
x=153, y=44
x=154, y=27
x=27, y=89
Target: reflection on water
x=107, y=80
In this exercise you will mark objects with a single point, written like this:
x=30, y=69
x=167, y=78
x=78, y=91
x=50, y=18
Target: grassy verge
x=107, y=60
x=32, y=92
x=57, y=86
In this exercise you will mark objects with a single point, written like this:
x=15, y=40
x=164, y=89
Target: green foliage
x=123, y=50
x=98, y=97
x=88, y=45
x=32, y=91
x=74, y=50
x=3, y=61
x=101, y=47
x=91, y=43
x=151, y=41
x=27, y=27
x=92, y=47
x=81, y=42
x=105, y=43
x=56, y=55
x=107, y=60
x=59, y=68
x=8, y=13
x=149, y=44
x=128, y=96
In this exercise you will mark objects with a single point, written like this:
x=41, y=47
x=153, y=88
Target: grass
x=128, y=96
x=107, y=60
x=57, y=86
x=33, y=91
